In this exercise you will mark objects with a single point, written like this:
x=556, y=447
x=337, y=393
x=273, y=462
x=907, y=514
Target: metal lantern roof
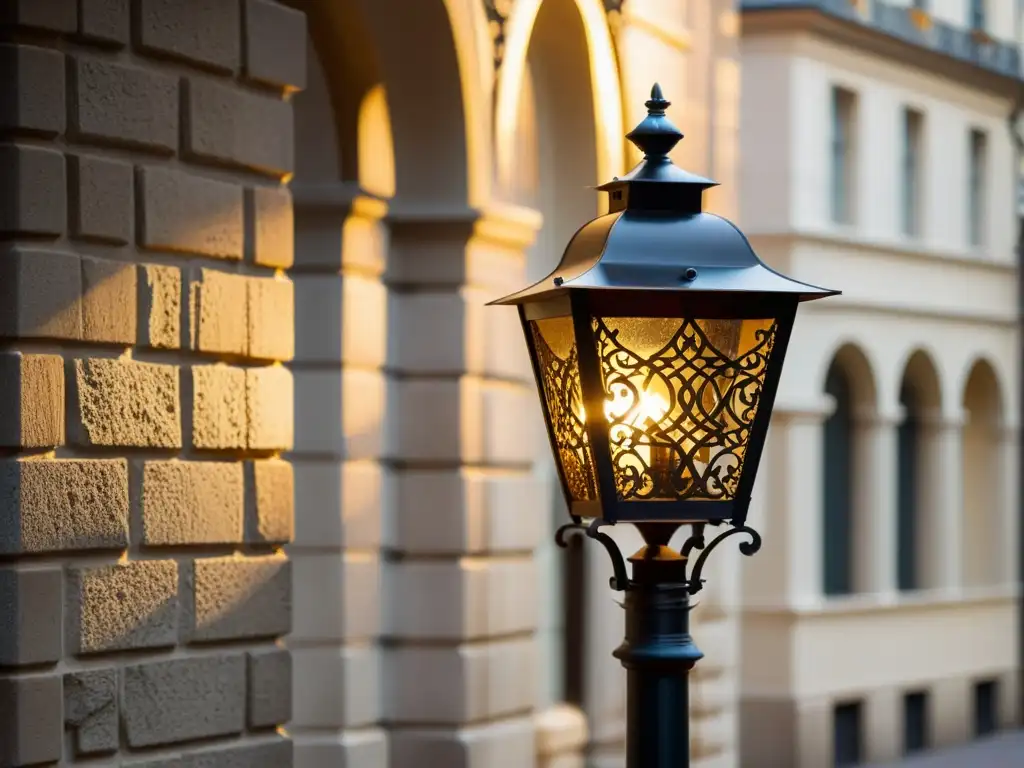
x=656, y=236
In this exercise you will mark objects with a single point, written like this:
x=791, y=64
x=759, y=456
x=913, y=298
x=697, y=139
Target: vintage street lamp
x=657, y=345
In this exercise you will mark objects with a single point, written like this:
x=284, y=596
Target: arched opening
x=915, y=457
x=982, y=502
x=555, y=171
x=380, y=127
x=850, y=384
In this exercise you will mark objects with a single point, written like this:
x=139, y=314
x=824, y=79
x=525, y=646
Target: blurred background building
x=274, y=486
x=877, y=155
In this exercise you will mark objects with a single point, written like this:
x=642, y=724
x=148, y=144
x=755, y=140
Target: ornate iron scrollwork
x=682, y=397
x=620, y=581
x=748, y=548
x=696, y=541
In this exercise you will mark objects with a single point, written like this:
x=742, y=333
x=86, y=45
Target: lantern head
x=657, y=344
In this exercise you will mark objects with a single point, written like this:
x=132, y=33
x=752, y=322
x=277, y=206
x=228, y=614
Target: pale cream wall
x=933, y=295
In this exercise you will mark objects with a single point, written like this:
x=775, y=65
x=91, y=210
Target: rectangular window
x=846, y=733
x=912, y=130
x=915, y=722
x=977, y=20
x=986, y=707
x=978, y=162
x=843, y=114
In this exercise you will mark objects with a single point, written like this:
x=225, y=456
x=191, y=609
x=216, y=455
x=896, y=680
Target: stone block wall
x=145, y=311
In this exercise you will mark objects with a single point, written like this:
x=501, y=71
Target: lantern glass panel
x=555, y=347
x=681, y=397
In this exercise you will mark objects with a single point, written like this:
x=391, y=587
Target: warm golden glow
x=681, y=398
x=688, y=392
x=603, y=74
x=376, y=148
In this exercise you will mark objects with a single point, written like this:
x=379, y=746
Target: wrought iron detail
x=696, y=541
x=560, y=381
x=498, y=12
x=747, y=548
x=682, y=397
x=620, y=581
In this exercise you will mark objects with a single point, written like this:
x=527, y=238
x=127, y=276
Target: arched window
x=983, y=501
x=837, y=468
x=846, y=492
x=908, y=473
x=916, y=455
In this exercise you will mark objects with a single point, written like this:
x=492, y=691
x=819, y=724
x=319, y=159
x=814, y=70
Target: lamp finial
x=655, y=135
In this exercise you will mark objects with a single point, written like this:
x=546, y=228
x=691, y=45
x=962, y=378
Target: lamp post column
x=658, y=654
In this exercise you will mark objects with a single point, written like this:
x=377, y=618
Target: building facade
x=881, y=615
x=273, y=485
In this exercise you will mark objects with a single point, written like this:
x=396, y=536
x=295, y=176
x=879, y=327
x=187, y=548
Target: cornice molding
x=819, y=17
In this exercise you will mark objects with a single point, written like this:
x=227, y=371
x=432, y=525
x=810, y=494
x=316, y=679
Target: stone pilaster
x=460, y=581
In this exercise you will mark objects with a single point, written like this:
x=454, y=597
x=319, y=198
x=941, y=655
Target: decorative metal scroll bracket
x=620, y=581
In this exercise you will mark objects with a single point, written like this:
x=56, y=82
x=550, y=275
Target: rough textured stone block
x=40, y=294
x=194, y=502
x=31, y=728
x=170, y=701
x=239, y=597
x=219, y=420
x=31, y=604
x=229, y=125
x=159, y=304
x=54, y=505
x=33, y=388
x=275, y=50
x=122, y=606
x=204, y=33
x=270, y=688
x=102, y=199
x=271, y=502
x=53, y=16
x=90, y=708
x=269, y=398
x=120, y=402
x=273, y=226
x=218, y=311
x=271, y=318
x=109, y=293
x=190, y=214
x=31, y=89
x=107, y=21
x=124, y=104
x=33, y=191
